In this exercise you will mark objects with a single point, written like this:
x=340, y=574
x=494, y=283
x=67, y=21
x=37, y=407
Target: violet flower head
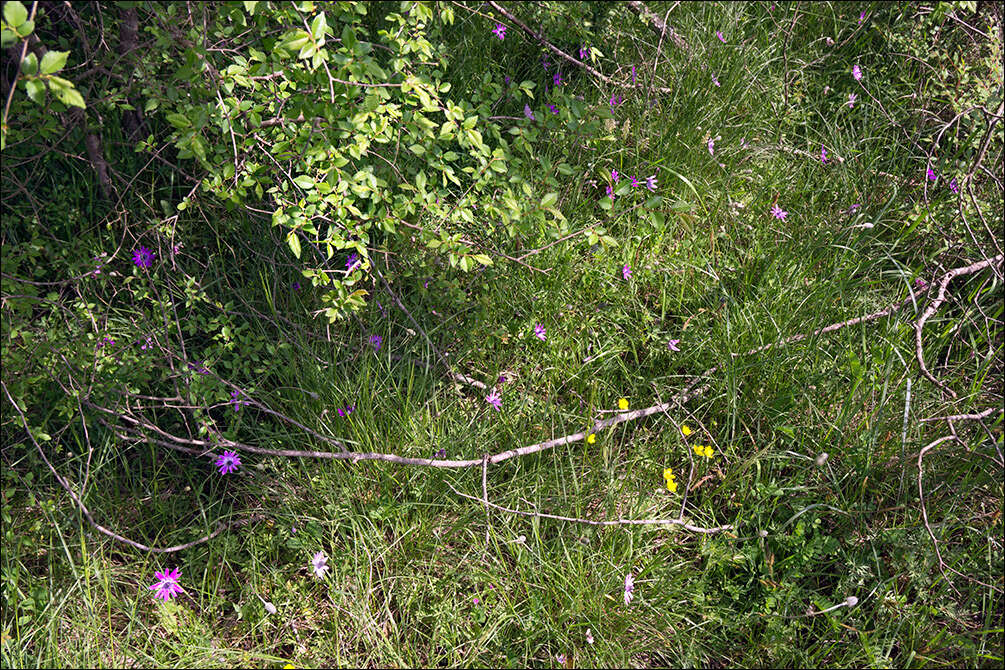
x=610, y=192
x=506, y=79
x=823, y=155
x=635, y=182
x=651, y=182
x=440, y=453
x=494, y=399
x=553, y=108
x=167, y=586
x=235, y=400
x=633, y=75
x=148, y=343
x=557, y=79
x=718, y=33
x=614, y=176
x=711, y=147
x=502, y=380
x=295, y=285
x=851, y=100
x=539, y=332
x=376, y=341
x=319, y=564
x=861, y=17
x=743, y=143
x=529, y=114
x=672, y=345
x=856, y=72
x=953, y=186
x=352, y=262
x=228, y=463
x=584, y=51
x=931, y=174
x=499, y=31
x=629, y=588
x=560, y=658
x=143, y=258
x=626, y=272
x=715, y=81
x=778, y=212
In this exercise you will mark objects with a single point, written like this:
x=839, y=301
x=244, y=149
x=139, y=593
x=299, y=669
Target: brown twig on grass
x=657, y=26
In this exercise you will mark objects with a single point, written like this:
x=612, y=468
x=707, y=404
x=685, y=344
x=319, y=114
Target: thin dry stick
x=485, y=496
x=590, y=522
x=965, y=417
x=940, y=298
x=659, y=27
x=924, y=509
x=87, y=513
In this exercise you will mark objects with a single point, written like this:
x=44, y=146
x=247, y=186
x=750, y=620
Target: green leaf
x=294, y=243
x=249, y=6
x=36, y=90
x=53, y=61
x=65, y=91
x=15, y=13
x=30, y=64
x=549, y=200
x=304, y=182
x=606, y=204
x=318, y=26
x=177, y=120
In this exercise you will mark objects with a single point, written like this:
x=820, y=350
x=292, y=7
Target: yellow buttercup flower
x=591, y=438
x=671, y=486
x=668, y=473
x=623, y=403
x=289, y=666
x=684, y=429
x=698, y=449
x=709, y=451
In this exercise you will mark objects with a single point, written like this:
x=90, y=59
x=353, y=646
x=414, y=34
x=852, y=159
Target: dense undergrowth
x=781, y=168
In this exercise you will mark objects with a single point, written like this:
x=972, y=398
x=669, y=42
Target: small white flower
x=589, y=636
x=629, y=588
x=319, y=564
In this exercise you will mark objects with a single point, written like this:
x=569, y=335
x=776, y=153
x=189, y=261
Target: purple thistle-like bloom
x=539, y=332
x=856, y=72
x=823, y=155
x=167, y=586
x=494, y=399
x=629, y=588
x=557, y=79
x=228, y=463
x=319, y=564
x=626, y=272
x=529, y=114
x=851, y=100
x=499, y=31
x=553, y=108
x=953, y=186
x=440, y=453
x=672, y=345
x=778, y=212
x=931, y=174
x=376, y=341
x=718, y=33
x=861, y=17
x=651, y=182
x=352, y=262
x=143, y=257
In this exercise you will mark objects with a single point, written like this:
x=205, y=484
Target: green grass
x=408, y=558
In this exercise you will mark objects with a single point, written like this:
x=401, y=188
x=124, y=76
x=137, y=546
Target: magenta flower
x=931, y=174
x=235, y=400
x=711, y=147
x=851, y=100
x=629, y=588
x=143, y=257
x=823, y=155
x=715, y=81
x=743, y=143
x=920, y=284
x=352, y=262
x=494, y=399
x=626, y=272
x=441, y=453
x=610, y=192
x=295, y=286
x=557, y=79
x=651, y=182
x=718, y=33
x=148, y=343
x=584, y=51
x=633, y=75
x=539, y=332
x=499, y=31
x=778, y=212
x=105, y=340
x=167, y=586
x=553, y=108
x=614, y=176
x=856, y=72
x=672, y=345
x=861, y=17
x=319, y=564
x=635, y=182
x=953, y=186
x=614, y=101
x=228, y=463
x=376, y=341
x=529, y=114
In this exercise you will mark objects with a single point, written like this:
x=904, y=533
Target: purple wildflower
x=539, y=332
x=106, y=340
x=633, y=75
x=295, y=285
x=148, y=343
x=615, y=101
x=499, y=31
x=560, y=658
x=823, y=155
x=651, y=182
x=953, y=186
x=544, y=63
x=856, y=72
x=610, y=192
x=494, y=399
x=931, y=174
x=197, y=366
x=718, y=33
x=715, y=81
x=376, y=341
x=506, y=79
x=626, y=272
x=352, y=262
x=584, y=51
x=167, y=586
x=920, y=284
x=635, y=182
x=476, y=601
x=440, y=453
x=319, y=564
x=529, y=114
x=589, y=636
x=143, y=257
x=235, y=400
x=228, y=463
x=672, y=345
x=851, y=100
x=861, y=17
x=553, y=108
x=778, y=212
x=557, y=79
x=629, y=588
x=614, y=176
x=711, y=147
x=743, y=143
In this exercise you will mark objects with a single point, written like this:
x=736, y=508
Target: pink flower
x=629, y=588
x=718, y=33
x=626, y=272
x=610, y=192
x=499, y=31
x=228, y=463
x=861, y=17
x=539, y=333
x=778, y=212
x=651, y=182
x=493, y=399
x=931, y=174
x=856, y=72
x=557, y=79
x=953, y=187
x=672, y=345
x=167, y=586
x=614, y=176
x=319, y=564
x=851, y=100
x=589, y=636
x=715, y=81
x=633, y=75
x=823, y=155
x=711, y=147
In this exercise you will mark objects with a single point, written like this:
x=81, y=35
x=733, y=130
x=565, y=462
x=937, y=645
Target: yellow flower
x=671, y=486
x=709, y=451
x=289, y=666
x=591, y=438
x=698, y=449
x=623, y=403
x=668, y=473
x=684, y=429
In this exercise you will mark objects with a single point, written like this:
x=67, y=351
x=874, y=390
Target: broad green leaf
x=36, y=90
x=318, y=26
x=304, y=182
x=294, y=243
x=30, y=64
x=53, y=61
x=178, y=120
x=15, y=13
x=549, y=199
